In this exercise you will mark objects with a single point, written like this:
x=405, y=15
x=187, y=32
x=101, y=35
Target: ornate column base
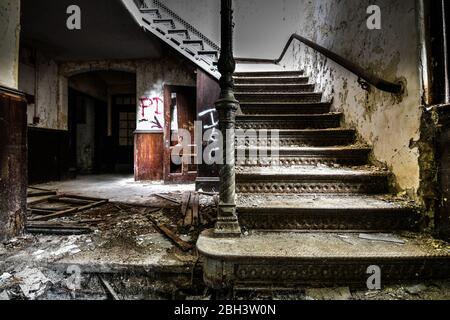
x=227, y=225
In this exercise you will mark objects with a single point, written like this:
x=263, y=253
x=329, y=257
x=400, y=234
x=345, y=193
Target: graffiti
x=211, y=122
x=151, y=116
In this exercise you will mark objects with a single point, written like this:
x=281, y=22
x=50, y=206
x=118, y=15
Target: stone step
x=276, y=97
x=318, y=213
x=285, y=108
x=273, y=74
x=289, y=121
x=329, y=156
x=311, y=180
x=282, y=87
x=300, y=138
x=320, y=259
x=272, y=80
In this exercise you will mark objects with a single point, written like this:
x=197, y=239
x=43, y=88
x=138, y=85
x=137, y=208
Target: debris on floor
x=33, y=192
x=32, y=282
x=381, y=237
x=328, y=294
x=61, y=206
x=194, y=214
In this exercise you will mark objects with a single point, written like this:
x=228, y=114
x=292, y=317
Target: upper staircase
x=318, y=213
x=153, y=16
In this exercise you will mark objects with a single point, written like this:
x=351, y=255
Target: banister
x=365, y=76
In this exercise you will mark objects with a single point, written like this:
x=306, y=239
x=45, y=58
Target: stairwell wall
x=388, y=123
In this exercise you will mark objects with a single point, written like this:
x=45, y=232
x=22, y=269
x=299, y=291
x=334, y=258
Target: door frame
x=169, y=177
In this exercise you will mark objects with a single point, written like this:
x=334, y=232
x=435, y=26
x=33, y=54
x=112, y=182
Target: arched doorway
x=102, y=121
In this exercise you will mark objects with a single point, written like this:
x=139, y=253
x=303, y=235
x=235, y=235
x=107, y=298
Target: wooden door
x=180, y=113
x=124, y=126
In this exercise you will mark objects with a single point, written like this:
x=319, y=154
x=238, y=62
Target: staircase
x=154, y=17
x=318, y=214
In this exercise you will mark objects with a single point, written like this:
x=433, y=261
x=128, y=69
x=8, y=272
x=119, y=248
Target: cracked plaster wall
x=390, y=125
x=9, y=43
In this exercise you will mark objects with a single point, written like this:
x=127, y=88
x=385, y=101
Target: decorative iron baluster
x=227, y=106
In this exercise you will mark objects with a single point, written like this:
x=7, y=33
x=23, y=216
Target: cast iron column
x=227, y=106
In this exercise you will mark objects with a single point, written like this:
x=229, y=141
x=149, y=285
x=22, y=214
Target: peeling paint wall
x=9, y=43
x=151, y=75
x=39, y=77
x=389, y=124
x=52, y=83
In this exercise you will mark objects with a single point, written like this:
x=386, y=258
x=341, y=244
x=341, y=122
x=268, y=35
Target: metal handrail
x=365, y=77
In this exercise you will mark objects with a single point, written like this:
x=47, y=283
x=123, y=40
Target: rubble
x=32, y=282
x=381, y=237
x=416, y=289
x=328, y=294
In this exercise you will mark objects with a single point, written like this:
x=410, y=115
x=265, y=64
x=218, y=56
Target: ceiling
x=108, y=31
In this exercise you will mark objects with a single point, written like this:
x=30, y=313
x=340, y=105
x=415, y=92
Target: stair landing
x=322, y=259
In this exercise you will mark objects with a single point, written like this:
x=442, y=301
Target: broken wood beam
x=69, y=211
x=108, y=288
x=183, y=245
x=167, y=198
x=57, y=229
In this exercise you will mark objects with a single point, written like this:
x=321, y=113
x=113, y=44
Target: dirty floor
x=127, y=256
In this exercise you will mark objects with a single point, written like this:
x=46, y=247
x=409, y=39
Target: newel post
x=227, y=106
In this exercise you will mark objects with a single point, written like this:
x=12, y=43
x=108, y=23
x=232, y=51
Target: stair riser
x=300, y=140
x=255, y=81
x=311, y=123
x=260, y=88
x=311, y=185
x=357, y=160
x=269, y=74
x=328, y=220
x=282, y=109
x=321, y=272
x=305, y=97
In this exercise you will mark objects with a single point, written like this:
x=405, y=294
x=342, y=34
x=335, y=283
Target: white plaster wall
x=9, y=43
x=262, y=27
x=389, y=124
x=151, y=75
x=48, y=109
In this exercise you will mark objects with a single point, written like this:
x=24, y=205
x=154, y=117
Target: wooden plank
x=195, y=209
x=167, y=198
x=210, y=194
x=69, y=212
x=183, y=245
x=33, y=192
x=109, y=289
x=72, y=201
x=81, y=197
x=57, y=229
x=188, y=217
x=185, y=198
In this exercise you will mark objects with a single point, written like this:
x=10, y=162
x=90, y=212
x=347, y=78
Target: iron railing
x=365, y=77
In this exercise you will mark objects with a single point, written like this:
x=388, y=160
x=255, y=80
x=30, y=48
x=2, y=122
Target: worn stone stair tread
x=250, y=202
x=268, y=74
x=306, y=150
x=272, y=80
x=275, y=93
x=275, y=117
x=334, y=156
x=292, y=121
x=285, y=103
x=274, y=87
x=282, y=246
x=308, y=171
